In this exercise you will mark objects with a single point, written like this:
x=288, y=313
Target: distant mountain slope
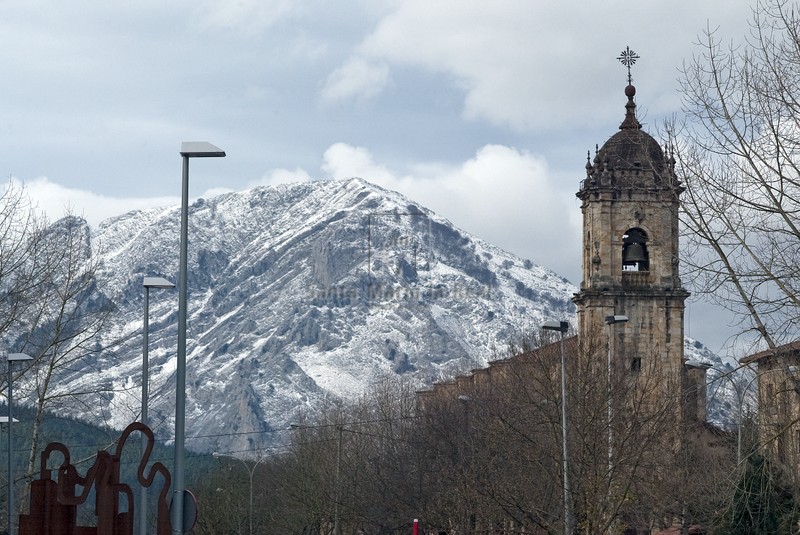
x=726, y=382
x=303, y=292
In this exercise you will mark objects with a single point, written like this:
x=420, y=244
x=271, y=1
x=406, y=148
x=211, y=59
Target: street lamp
x=563, y=327
x=189, y=149
x=12, y=357
x=611, y=321
x=147, y=283
x=251, y=471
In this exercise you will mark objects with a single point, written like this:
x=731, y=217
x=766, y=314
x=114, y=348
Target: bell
x=633, y=253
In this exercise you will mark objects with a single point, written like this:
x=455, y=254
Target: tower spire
x=628, y=57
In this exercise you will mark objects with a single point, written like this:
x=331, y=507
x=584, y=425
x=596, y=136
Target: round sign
x=190, y=510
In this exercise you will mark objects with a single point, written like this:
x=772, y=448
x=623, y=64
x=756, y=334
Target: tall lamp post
x=189, y=150
x=563, y=327
x=147, y=283
x=336, y=526
x=611, y=321
x=251, y=470
x=12, y=357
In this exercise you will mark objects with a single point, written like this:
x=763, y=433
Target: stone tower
x=629, y=202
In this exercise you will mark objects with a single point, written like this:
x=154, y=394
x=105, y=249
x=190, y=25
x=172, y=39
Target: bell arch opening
x=634, y=251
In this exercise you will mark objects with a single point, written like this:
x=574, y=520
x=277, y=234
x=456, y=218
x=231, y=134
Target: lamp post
x=147, y=283
x=189, y=150
x=336, y=527
x=563, y=327
x=250, y=471
x=5, y=420
x=611, y=321
x=12, y=357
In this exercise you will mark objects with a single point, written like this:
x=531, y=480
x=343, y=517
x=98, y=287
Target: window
x=636, y=364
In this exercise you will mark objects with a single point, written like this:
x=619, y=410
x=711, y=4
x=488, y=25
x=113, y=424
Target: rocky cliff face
x=298, y=293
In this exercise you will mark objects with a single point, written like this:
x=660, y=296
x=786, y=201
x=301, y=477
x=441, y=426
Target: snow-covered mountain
x=303, y=292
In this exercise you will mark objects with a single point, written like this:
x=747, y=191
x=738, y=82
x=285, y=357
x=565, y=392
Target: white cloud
x=356, y=79
x=247, y=16
x=533, y=65
x=282, y=176
x=505, y=196
x=344, y=161
x=55, y=201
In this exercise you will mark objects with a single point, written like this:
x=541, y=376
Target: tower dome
x=631, y=157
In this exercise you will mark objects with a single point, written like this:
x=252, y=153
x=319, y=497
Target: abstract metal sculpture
x=53, y=503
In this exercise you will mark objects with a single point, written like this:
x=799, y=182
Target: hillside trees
x=354, y=463
x=740, y=163
x=366, y=457
x=483, y=454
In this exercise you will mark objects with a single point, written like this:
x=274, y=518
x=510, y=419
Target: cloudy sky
x=481, y=110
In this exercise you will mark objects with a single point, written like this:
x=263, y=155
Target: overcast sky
x=480, y=110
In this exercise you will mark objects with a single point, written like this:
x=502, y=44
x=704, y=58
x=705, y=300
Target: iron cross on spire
x=628, y=57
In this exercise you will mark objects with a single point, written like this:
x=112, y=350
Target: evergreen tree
x=761, y=503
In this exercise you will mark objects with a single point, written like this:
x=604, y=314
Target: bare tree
x=483, y=454
x=67, y=325
x=739, y=158
x=50, y=305
x=492, y=453
x=25, y=268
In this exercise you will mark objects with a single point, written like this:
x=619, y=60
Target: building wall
x=779, y=406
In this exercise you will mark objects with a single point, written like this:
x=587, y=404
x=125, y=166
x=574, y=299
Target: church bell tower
x=629, y=202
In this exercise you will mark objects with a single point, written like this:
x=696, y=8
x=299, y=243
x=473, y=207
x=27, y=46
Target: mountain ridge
x=298, y=294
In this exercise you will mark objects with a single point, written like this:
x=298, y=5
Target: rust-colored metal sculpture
x=53, y=504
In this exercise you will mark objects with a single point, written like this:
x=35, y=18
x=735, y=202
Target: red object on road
x=416, y=527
